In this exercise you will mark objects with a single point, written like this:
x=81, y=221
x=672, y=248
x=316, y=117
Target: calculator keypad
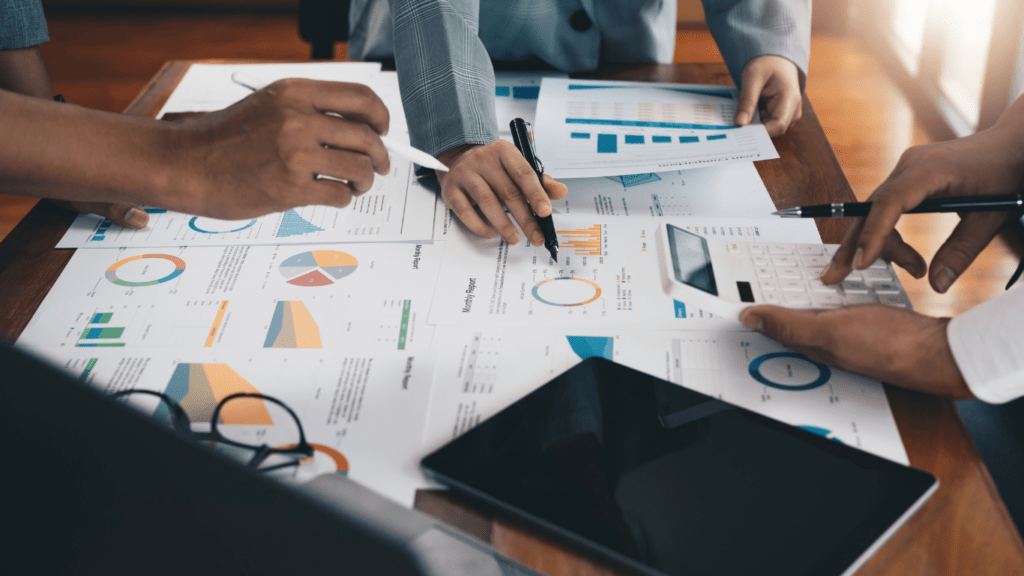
x=787, y=274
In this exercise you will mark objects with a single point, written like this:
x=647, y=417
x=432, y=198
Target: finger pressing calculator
x=724, y=277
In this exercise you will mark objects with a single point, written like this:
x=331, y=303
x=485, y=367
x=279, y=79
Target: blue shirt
x=22, y=24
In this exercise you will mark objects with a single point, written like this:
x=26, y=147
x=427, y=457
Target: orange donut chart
x=179, y=267
x=340, y=462
x=536, y=291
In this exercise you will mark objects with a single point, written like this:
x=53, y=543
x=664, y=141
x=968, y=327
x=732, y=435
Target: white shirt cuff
x=988, y=345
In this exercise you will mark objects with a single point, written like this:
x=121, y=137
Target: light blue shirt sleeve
x=745, y=29
x=22, y=24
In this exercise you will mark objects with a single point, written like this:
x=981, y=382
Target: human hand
x=981, y=164
x=885, y=343
x=486, y=177
x=775, y=80
x=263, y=153
x=127, y=215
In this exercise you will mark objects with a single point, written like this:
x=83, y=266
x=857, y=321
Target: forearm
x=66, y=152
x=23, y=72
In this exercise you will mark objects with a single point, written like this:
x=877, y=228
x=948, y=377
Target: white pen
x=404, y=150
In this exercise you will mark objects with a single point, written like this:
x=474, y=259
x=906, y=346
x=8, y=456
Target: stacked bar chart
x=101, y=336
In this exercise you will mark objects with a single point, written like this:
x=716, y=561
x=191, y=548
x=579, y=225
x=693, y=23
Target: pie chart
x=318, y=267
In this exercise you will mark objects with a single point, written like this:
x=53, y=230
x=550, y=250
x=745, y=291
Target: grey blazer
x=443, y=48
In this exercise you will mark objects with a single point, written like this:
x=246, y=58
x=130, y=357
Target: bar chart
x=583, y=242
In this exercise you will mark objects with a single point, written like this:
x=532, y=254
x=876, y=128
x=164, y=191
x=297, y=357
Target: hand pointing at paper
x=260, y=155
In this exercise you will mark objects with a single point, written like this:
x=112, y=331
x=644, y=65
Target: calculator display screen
x=691, y=260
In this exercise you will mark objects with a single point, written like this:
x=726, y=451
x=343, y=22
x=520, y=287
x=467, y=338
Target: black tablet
x=669, y=481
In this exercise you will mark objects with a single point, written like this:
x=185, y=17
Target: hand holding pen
x=984, y=164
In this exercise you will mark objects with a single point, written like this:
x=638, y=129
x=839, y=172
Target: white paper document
x=363, y=414
x=365, y=296
x=515, y=96
x=481, y=370
x=590, y=128
x=396, y=209
x=208, y=87
x=606, y=275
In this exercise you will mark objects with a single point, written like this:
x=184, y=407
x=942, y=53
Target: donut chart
x=204, y=228
x=789, y=371
x=179, y=268
x=566, y=291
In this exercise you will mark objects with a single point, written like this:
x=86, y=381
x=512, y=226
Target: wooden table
x=963, y=529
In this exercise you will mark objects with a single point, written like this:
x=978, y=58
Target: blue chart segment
x=294, y=225
x=823, y=432
x=789, y=371
x=638, y=179
x=199, y=228
x=591, y=346
x=607, y=144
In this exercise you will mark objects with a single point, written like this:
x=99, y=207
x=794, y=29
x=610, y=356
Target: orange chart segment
x=292, y=327
x=198, y=388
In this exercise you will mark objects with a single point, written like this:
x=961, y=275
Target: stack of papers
x=390, y=329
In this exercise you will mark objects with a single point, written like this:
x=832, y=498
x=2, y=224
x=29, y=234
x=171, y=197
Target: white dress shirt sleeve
x=988, y=347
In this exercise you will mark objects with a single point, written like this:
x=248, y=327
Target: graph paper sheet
x=603, y=128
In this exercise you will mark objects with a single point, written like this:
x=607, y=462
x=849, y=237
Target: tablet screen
x=673, y=482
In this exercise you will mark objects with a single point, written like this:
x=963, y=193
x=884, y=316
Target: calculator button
x=771, y=298
x=810, y=249
x=759, y=261
x=854, y=287
x=855, y=275
x=784, y=260
x=793, y=286
x=819, y=286
x=734, y=248
x=763, y=272
x=827, y=300
x=885, y=288
x=779, y=249
x=755, y=248
x=875, y=275
x=860, y=299
x=819, y=261
x=813, y=272
x=797, y=299
x=792, y=273
x=879, y=264
x=894, y=300
x=768, y=285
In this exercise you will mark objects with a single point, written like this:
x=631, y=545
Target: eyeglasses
x=242, y=408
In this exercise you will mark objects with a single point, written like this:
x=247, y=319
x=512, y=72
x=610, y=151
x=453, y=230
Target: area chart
x=198, y=388
x=292, y=327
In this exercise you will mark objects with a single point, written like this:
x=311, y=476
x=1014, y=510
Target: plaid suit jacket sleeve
x=21, y=24
x=745, y=29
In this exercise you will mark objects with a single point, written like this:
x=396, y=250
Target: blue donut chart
x=192, y=225
x=824, y=372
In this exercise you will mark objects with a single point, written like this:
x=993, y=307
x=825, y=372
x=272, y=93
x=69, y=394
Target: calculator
x=724, y=277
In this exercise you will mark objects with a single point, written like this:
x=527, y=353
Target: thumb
x=554, y=188
x=967, y=240
x=791, y=327
x=753, y=80
x=127, y=215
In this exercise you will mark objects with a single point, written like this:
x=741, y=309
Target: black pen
x=1004, y=202
x=521, y=138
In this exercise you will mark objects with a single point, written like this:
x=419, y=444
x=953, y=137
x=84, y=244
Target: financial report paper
x=480, y=371
x=607, y=128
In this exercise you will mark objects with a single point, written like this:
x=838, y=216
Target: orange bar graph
x=583, y=242
x=216, y=323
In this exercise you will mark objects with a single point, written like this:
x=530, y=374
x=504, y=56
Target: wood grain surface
x=963, y=529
